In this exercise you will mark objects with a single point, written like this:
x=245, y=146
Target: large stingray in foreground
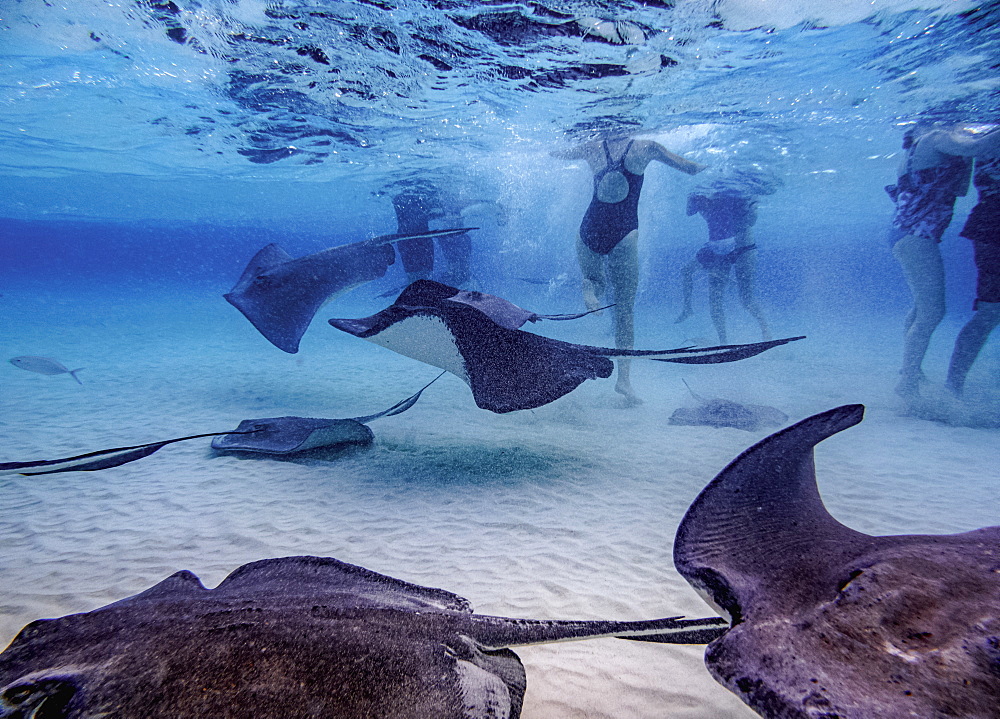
x=476, y=337
x=829, y=622
x=280, y=294
x=290, y=638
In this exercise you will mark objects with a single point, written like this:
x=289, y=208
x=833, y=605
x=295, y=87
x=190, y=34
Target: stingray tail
x=496, y=632
x=93, y=461
x=695, y=355
x=400, y=406
x=396, y=237
x=693, y=393
x=574, y=316
x=72, y=373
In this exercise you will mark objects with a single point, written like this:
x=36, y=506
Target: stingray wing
x=753, y=535
x=281, y=295
x=327, y=579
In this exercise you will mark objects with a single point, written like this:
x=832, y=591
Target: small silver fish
x=44, y=365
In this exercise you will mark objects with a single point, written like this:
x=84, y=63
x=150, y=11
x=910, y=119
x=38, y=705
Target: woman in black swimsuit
x=608, y=245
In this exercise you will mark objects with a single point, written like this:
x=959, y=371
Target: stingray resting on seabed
x=280, y=294
x=477, y=337
x=290, y=638
x=830, y=622
x=281, y=437
x=718, y=412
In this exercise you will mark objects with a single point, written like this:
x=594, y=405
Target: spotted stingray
x=289, y=638
x=477, y=338
x=831, y=623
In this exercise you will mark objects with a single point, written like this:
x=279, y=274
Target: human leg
x=457, y=251
x=717, y=281
x=745, y=269
x=920, y=259
x=623, y=269
x=977, y=330
x=592, y=265
x=417, y=255
x=969, y=342
x=687, y=290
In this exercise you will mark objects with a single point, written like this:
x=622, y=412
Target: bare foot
x=626, y=391
x=590, y=296
x=908, y=387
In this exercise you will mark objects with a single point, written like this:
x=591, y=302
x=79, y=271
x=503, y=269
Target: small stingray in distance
x=290, y=638
x=726, y=413
x=280, y=294
x=273, y=436
x=475, y=336
x=44, y=365
x=831, y=622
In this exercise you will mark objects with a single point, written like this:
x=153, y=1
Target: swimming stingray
x=272, y=436
x=726, y=413
x=280, y=294
x=476, y=337
x=829, y=622
x=290, y=638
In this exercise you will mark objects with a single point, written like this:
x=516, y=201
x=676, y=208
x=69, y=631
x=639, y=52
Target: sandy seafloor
x=564, y=512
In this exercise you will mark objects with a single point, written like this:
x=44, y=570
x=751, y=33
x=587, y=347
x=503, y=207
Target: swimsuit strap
x=612, y=164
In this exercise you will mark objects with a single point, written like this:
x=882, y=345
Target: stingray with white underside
x=831, y=622
x=477, y=337
x=291, y=637
x=280, y=294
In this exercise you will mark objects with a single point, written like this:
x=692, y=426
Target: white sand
x=565, y=512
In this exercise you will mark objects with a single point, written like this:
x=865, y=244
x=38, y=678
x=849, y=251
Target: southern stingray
x=290, y=638
x=830, y=622
x=477, y=337
x=272, y=436
x=280, y=294
x=718, y=412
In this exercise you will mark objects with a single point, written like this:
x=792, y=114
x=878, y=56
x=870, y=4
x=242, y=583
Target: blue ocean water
x=151, y=148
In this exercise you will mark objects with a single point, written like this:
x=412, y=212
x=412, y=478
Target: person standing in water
x=936, y=170
x=983, y=228
x=415, y=206
x=729, y=207
x=607, y=247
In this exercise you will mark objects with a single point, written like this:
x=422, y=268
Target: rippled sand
x=564, y=512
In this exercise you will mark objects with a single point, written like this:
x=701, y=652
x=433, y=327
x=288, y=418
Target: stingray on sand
x=291, y=637
x=477, y=338
x=272, y=436
x=718, y=412
x=831, y=622
x=280, y=294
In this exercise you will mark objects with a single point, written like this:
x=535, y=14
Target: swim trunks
x=983, y=224
x=727, y=213
x=925, y=199
x=720, y=256
x=607, y=223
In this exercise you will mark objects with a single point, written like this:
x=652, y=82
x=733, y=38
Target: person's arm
x=578, y=152
x=967, y=144
x=656, y=151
